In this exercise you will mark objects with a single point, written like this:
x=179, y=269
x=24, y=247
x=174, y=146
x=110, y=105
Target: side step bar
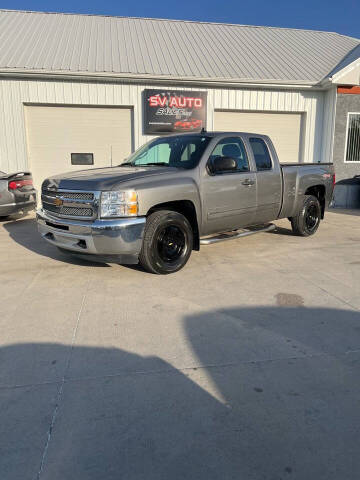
x=236, y=234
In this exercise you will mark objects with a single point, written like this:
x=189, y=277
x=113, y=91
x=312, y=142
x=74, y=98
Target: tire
x=167, y=242
x=307, y=221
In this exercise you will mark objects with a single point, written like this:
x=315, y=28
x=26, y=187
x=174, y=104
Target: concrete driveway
x=245, y=365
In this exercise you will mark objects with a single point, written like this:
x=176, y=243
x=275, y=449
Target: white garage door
x=284, y=129
x=54, y=133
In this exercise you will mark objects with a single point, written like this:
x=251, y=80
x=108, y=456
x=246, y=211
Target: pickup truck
x=178, y=192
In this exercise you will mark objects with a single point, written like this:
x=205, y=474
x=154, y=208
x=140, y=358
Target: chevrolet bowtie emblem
x=58, y=202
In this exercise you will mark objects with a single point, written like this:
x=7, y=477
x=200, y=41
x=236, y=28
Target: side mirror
x=223, y=164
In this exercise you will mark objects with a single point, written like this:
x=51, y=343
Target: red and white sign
x=171, y=111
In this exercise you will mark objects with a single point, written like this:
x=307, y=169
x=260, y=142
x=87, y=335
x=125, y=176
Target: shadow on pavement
x=273, y=393
x=24, y=232
x=345, y=211
x=282, y=231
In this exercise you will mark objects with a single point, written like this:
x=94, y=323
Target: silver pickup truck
x=179, y=192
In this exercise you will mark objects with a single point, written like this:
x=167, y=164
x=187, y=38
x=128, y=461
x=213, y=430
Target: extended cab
x=179, y=192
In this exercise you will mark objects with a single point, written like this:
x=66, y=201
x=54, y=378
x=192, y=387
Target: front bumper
x=117, y=240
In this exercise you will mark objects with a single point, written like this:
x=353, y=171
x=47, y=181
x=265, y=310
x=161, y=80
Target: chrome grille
x=70, y=195
x=62, y=203
x=76, y=212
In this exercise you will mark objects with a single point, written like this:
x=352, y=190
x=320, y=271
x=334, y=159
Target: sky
x=336, y=16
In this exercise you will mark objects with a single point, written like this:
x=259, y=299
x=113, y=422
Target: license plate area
x=59, y=227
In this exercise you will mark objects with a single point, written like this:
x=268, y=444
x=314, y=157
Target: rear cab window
x=261, y=154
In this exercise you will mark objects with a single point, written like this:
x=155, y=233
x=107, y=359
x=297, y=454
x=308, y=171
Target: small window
x=232, y=147
x=352, y=153
x=188, y=152
x=82, y=159
x=261, y=154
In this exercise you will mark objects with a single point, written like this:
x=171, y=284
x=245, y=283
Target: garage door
x=55, y=133
x=284, y=129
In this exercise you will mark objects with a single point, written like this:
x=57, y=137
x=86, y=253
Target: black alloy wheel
x=167, y=242
x=171, y=243
x=311, y=218
x=308, y=218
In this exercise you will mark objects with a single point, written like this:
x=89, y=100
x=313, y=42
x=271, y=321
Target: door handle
x=248, y=182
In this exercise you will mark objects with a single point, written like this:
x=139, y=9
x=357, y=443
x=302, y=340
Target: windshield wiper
x=125, y=164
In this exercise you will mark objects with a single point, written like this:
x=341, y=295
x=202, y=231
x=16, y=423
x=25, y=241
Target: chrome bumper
x=121, y=237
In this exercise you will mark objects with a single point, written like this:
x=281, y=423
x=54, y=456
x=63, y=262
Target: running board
x=236, y=234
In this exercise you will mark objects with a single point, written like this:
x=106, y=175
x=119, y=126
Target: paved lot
x=245, y=365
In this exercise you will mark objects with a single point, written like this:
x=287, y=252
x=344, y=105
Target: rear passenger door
x=269, y=181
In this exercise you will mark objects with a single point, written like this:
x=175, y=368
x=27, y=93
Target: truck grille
x=71, y=195
x=62, y=203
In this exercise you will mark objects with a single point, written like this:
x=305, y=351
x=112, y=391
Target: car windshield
x=181, y=151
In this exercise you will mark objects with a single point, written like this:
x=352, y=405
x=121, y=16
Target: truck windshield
x=183, y=151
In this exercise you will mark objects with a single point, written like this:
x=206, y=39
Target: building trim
x=349, y=90
x=340, y=76
x=145, y=79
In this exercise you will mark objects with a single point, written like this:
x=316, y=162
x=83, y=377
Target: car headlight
x=119, y=204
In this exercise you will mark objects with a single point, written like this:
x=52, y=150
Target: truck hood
x=103, y=178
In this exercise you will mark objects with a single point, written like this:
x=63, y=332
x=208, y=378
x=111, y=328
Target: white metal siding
x=15, y=93
x=54, y=133
x=284, y=129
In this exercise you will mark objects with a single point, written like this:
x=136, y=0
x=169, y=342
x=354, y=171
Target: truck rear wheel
x=167, y=242
x=307, y=221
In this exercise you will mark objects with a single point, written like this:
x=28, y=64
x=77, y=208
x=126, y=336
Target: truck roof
x=213, y=134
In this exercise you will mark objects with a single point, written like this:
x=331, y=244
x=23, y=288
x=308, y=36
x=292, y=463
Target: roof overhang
x=350, y=75
x=159, y=80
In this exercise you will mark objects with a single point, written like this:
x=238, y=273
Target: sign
x=175, y=111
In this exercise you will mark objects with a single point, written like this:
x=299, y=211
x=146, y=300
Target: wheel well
x=319, y=192
x=186, y=208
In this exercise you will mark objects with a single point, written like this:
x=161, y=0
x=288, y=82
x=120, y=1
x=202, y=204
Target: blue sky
x=331, y=15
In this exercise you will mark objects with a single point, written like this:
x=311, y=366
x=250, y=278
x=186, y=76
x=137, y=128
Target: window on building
x=82, y=159
x=352, y=153
x=261, y=154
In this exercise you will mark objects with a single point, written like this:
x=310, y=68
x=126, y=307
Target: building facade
x=75, y=84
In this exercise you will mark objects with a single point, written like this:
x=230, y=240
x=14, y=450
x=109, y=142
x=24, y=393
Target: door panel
x=227, y=203
x=269, y=191
x=229, y=198
x=269, y=180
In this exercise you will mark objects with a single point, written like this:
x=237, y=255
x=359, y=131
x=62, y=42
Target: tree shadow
x=271, y=392
x=23, y=230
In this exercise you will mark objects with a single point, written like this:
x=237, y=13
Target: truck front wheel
x=167, y=242
x=307, y=221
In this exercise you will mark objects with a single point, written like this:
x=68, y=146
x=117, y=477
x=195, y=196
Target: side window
x=261, y=154
x=188, y=151
x=232, y=147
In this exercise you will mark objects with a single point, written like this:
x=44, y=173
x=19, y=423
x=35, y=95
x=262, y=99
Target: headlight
x=119, y=204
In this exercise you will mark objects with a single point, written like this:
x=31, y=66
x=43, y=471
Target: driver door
x=229, y=198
